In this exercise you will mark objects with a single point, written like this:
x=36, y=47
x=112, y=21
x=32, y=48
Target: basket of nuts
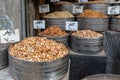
x=115, y=23
x=86, y=42
x=93, y=20
x=55, y=33
x=3, y=56
x=42, y=58
x=58, y=18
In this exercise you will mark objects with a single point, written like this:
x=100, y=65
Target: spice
x=92, y=14
x=37, y=49
x=87, y=34
x=59, y=14
x=53, y=31
x=118, y=16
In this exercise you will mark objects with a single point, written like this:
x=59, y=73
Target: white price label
x=77, y=9
x=54, y=0
x=39, y=24
x=10, y=35
x=82, y=0
x=114, y=10
x=44, y=8
x=71, y=25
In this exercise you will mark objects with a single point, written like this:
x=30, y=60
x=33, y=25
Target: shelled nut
x=92, y=14
x=59, y=14
x=87, y=34
x=53, y=31
x=37, y=49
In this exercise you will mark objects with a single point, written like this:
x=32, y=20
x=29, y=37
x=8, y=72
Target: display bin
x=85, y=65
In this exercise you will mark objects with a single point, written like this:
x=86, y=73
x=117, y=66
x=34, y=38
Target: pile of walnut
x=59, y=14
x=87, y=34
x=92, y=14
x=37, y=49
x=53, y=31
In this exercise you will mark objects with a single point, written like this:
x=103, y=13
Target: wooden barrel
x=86, y=45
x=95, y=24
x=3, y=56
x=50, y=70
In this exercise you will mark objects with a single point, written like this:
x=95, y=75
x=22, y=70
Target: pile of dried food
x=92, y=14
x=53, y=31
x=87, y=34
x=37, y=49
x=59, y=14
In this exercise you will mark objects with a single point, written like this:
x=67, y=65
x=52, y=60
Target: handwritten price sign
x=114, y=10
x=44, y=8
x=71, y=25
x=39, y=24
x=54, y=0
x=10, y=35
x=77, y=9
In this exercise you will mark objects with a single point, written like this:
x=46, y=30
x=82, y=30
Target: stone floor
x=4, y=75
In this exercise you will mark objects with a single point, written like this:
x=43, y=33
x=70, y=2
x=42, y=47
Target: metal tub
x=86, y=45
x=51, y=70
x=102, y=77
x=96, y=24
x=61, y=22
x=3, y=56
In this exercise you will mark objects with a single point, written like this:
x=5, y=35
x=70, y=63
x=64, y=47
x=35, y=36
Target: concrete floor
x=4, y=75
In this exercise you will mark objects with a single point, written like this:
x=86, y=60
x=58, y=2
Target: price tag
x=71, y=25
x=82, y=0
x=114, y=10
x=54, y=0
x=77, y=9
x=44, y=8
x=10, y=35
x=39, y=24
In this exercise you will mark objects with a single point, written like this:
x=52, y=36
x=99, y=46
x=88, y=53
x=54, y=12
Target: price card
x=71, y=25
x=54, y=0
x=114, y=10
x=10, y=35
x=44, y=8
x=77, y=9
x=39, y=24
x=82, y=0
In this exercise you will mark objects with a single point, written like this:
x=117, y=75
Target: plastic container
x=58, y=21
x=102, y=77
x=96, y=24
x=86, y=45
x=50, y=70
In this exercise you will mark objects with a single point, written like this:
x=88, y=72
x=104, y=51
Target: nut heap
x=94, y=2
x=87, y=34
x=62, y=2
x=59, y=14
x=53, y=31
x=92, y=14
x=118, y=16
x=37, y=49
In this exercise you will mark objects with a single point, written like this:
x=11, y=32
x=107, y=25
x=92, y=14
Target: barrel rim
x=59, y=18
x=54, y=36
x=107, y=75
x=87, y=38
x=91, y=18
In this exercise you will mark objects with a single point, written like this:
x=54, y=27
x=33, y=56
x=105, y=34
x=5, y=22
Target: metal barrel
x=102, y=77
x=50, y=70
x=86, y=45
x=3, y=56
x=61, y=22
x=67, y=7
x=96, y=24
x=115, y=24
x=62, y=39
x=103, y=8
